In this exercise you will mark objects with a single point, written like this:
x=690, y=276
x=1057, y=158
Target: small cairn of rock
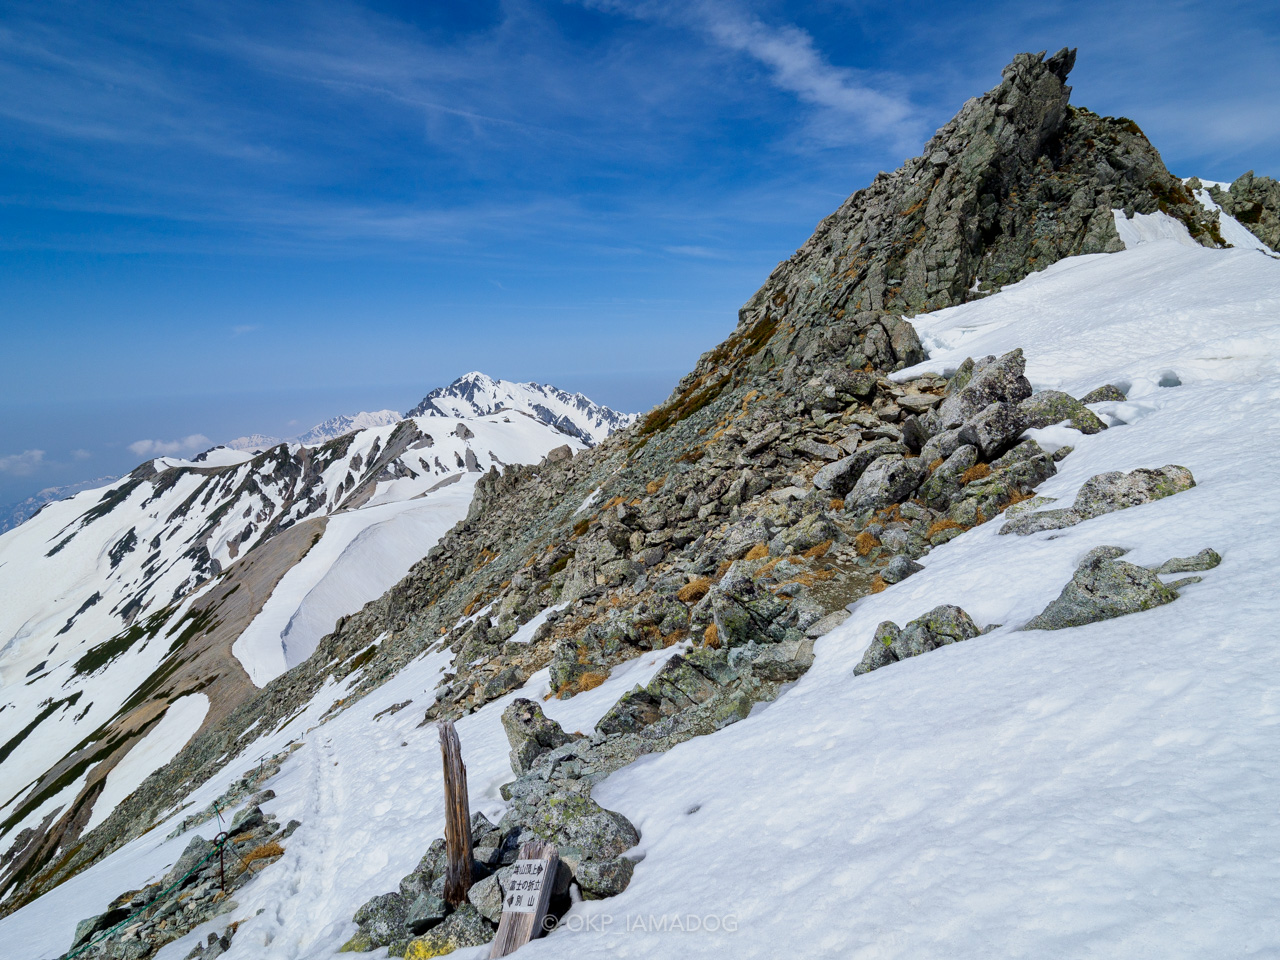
x=254, y=841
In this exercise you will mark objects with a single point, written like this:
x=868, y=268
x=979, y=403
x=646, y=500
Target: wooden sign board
x=526, y=897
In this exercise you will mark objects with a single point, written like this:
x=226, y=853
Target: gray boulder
x=531, y=733
x=840, y=477
x=995, y=428
x=939, y=627
x=382, y=919
x=570, y=819
x=1001, y=381
x=890, y=479
x=943, y=485
x=1206, y=559
x=1104, y=393
x=486, y=896
x=1106, y=493
x=608, y=879
x=428, y=910
x=899, y=568
x=1103, y=588
x=1048, y=407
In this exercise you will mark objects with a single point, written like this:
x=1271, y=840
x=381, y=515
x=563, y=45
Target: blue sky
x=223, y=218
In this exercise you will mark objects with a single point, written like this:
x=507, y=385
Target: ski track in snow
x=1103, y=791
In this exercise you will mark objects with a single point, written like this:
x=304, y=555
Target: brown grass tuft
x=711, y=637
x=836, y=504
x=977, y=472
x=946, y=523
x=865, y=542
x=581, y=526
x=653, y=486
x=819, y=550
x=758, y=552
x=937, y=463
x=694, y=590
x=263, y=851
x=878, y=585
x=591, y=680
x=675, y=636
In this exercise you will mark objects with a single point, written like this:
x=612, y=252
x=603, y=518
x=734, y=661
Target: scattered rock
x=1048, y=407
x=1102, y=588
x=1104, y=393
x=1106, y=493
x=939, y=627
x=1206, y=559
x=530, y=732
x=899, y=568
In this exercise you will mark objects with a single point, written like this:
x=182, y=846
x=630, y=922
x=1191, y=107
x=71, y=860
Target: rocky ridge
x=785, y=477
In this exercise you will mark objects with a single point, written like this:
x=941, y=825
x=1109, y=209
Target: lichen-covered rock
x=1206, y=559
x=1106, y=392
x=464, y=928
x=1105, y=493
x=890, y=479
x=1118, y=491
x=530, y=732
x=1053, y=406
x=995, y=428
x=381, y=920
x=1103, y=587
x=939, y=627
x=604, y=879
x=425, y=912
x=998, y=381
x=486, y=896
x=943, y=486
x=573, y=820
x=879, y=652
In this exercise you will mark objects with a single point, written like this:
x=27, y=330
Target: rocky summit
x=798, y=470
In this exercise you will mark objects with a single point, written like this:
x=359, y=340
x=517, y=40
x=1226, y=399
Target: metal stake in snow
x=528, y=894
x=457, y=817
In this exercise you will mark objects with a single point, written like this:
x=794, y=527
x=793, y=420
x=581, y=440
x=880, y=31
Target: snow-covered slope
x=572, y=413
x=1098, y=791
x=118, y=601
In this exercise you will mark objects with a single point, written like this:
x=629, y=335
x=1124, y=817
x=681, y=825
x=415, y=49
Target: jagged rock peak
x=1017, y=180
x=476, y=395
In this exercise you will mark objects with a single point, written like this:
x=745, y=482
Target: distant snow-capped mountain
x=29, y=507
x=476, y=394
x=337, y=426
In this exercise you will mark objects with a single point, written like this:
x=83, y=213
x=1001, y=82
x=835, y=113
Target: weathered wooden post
x=527, y=896
x=457, y=817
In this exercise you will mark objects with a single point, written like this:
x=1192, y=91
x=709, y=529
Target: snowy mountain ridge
x=717, y=590
x=476, y=394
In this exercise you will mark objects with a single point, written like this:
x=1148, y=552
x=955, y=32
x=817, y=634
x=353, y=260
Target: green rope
x=217, y=847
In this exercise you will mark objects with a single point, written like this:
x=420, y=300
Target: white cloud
x=22, y=464
x=168, y=448
x=242, y=329
x=794, y=62
x=80, y=454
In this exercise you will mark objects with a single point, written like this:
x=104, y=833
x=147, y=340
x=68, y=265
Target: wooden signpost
x=457, y=817
x=527, y=896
